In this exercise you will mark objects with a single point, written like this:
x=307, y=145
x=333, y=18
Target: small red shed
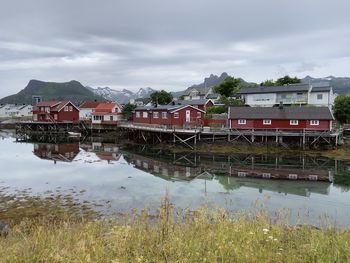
x=170, y=115
x=283, y=118
x=56, y=111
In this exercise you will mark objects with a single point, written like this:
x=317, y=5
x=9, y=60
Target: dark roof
x=160, y=107
x=273, y=89
x=290, y=113
x=89, y=105
x=321, y=89
x=189, y=102
x=213, y=96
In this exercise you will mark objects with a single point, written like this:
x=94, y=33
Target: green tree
x=161, y=97
x=228, y=87
x=127, y=111
x=342, y=109
x=287, y=80
x=268, y=83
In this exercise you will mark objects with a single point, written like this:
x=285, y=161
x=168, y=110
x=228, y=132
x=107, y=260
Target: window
x=156, y=114
x=98, y=118
x=315, y=122
x=111, y=118
x=145, y=114
x=242, y=174
x=66, y=108
x=266, y=175
x=70, y=108
x=293, y=176
x=294, y=122
x=138, y=115
x=199, y=115
x=313, y=177
x=164, y=115
x=242, y=122
x=176, y=115
x=267, y=122
x=319, y=96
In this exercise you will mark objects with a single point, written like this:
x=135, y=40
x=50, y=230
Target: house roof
x=321, y=89
x=47, y=103
x=189, y=102
x=213, y=96
x=274, y=89
x=168, y=107
x=290, y=113
x=89, y=105
x=106, y=107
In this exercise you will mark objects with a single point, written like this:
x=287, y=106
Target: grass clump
x=174, y=236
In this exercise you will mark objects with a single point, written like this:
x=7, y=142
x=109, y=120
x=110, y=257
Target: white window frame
x=145, y=114
x=242, y=121
x=70, y=108
x=294, y=122
x=199, y=115
x=314, y=122
x=138, y=114
x=164, y=115
x=321, y=95
x=241, y=174
x=293, y=177
x=176, y=115
x=267, y=122
x=266, y=175
x=66, y=108
x=155, y=115
x=313, y=177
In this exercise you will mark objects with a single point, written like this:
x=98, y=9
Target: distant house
x=293, y=94
x=201, y=104
x=86, y=109
x=107, y=113
x=283, y=118
x=196, y=93
x=170, y=115
x=56, y=111
x=15, y=111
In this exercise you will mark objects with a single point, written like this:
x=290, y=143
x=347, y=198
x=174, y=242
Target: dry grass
x=174, y=236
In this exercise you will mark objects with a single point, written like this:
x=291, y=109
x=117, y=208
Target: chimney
x=173, y=103
x=155, y=105
x=281, y=105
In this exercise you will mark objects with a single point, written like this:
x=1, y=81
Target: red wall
x=170, y=120
x=68, y=115
x=281, y=124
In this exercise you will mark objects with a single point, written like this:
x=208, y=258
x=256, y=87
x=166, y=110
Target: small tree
x=342, y=109
x=287, y=80
x=127, y=111
x=268, y=83
x=161, y=97
x=228, y=87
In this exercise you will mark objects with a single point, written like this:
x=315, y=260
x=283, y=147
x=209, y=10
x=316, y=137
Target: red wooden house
x=170, y=115
x=56, y=111
x=283, y=118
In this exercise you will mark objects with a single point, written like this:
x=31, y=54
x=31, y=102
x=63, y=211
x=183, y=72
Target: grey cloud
x=169, y=44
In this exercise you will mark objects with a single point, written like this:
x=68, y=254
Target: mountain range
x=76, y=92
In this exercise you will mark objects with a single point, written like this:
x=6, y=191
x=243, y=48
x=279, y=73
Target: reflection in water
x=121, y=177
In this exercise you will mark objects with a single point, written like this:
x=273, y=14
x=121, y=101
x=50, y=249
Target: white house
x=107, y=113
x=293, y=94
x=86, y=109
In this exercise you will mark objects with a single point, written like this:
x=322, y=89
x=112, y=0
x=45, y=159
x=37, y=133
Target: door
x=188, y=116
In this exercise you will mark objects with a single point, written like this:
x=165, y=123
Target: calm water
x=121, y=178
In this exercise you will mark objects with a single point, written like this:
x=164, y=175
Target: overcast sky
x=170, y=44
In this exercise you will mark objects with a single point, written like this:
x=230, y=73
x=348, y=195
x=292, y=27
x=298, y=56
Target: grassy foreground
x=173, y=236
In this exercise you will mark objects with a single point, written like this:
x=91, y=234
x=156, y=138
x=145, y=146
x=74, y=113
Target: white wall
x=327, y=99
x=260, y=100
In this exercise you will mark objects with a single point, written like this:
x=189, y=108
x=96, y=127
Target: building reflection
x=104, y=151
x=64, y=152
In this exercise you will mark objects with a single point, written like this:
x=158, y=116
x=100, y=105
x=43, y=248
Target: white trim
x=294, y=122
x=314, y=122
x=267, y=122
x=242, y=121
x=66, y=104
x=186, y=107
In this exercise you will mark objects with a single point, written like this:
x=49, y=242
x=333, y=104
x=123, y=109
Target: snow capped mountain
x=122, y=96
x=144, y=92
